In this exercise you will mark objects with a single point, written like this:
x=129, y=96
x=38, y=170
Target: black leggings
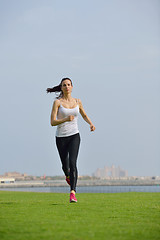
x=68, y=148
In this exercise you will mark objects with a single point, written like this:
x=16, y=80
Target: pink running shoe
x=72, y=198
x=68, y=180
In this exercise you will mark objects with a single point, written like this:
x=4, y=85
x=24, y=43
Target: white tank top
x=67, y=128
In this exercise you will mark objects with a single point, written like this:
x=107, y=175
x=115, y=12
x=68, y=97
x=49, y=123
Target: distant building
x=16, y=175
x=110, y=172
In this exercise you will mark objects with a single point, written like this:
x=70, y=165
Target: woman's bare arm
x=85, y=117
x=54, y=120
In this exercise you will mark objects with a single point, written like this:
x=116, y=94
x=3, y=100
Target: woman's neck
x=67, y=97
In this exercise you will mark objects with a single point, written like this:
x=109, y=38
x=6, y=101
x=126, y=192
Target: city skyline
x=104, y=172
x=110, y=172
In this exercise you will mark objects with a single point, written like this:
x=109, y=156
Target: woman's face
x=66, y=86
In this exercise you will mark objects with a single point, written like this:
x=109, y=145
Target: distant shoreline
x=99, y=182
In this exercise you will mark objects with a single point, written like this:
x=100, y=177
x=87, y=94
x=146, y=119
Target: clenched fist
x=70, y=118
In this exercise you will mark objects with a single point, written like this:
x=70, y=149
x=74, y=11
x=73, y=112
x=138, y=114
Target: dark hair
x=58, y=87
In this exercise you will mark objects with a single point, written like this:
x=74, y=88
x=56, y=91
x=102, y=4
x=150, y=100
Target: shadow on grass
x=56, y=204
x=7, y=203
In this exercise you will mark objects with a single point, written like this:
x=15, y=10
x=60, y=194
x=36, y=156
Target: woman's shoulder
x=57, y=102
x=78, y=101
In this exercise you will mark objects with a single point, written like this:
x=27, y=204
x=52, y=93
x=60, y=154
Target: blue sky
x=111, y=51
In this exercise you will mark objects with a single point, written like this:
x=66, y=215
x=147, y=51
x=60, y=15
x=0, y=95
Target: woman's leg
x=62, y=146
x=74, y=144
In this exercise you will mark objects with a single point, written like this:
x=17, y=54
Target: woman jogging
x=64, y=115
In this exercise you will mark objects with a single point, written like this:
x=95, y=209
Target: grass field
x=36, y=216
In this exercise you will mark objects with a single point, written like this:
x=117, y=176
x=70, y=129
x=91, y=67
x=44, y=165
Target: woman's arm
x=54, y=120
x=85, y=117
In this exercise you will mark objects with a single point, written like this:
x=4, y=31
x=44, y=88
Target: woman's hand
x=70, y=118
x=92, y=127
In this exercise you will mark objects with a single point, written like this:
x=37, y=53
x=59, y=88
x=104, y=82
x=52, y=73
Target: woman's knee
x=73, y=170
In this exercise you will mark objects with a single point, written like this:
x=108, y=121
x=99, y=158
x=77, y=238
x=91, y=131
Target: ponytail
x=58, y=88
x=54, y=89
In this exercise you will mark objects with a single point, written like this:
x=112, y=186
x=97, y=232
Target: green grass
x=38, y=216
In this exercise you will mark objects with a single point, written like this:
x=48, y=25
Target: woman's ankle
x=72, y=191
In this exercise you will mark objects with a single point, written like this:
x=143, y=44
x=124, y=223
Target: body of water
x=88, y=189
